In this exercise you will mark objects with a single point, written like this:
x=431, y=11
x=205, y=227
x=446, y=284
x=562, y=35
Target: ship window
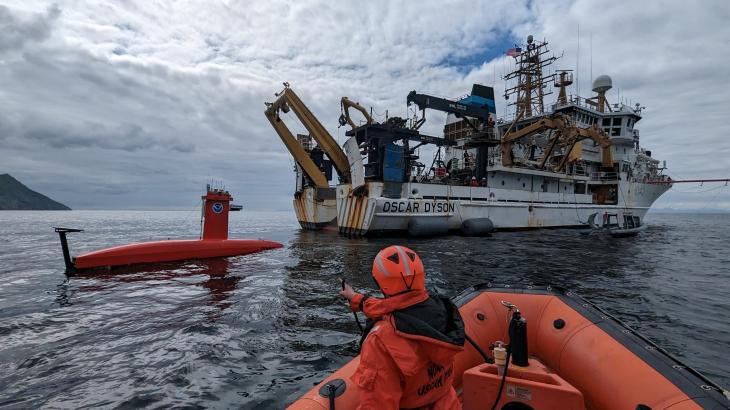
x=615, y=132
x=606, y=122
x=523, y=185
x=617, y=121
x=629, y=123
x=502, y=182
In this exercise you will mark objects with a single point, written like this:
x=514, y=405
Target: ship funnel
x=601, y=84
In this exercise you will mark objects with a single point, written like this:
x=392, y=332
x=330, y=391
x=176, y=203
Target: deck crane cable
x=575, y=204
x=621, y=194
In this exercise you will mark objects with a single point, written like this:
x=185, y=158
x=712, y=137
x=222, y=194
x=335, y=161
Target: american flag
x=514, y=52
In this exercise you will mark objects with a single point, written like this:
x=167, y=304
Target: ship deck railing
x=573, y=100
x=486, y=136
x=590, y=104
x=577, y=170
x=604, y=176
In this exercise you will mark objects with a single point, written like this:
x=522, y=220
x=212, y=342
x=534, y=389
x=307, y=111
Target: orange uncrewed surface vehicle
x=213, y=242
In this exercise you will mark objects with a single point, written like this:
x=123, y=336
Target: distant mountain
x=15, y=195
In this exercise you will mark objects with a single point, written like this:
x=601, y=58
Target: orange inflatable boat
x=571, y=355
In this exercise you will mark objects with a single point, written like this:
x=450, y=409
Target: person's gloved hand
x=347, y=293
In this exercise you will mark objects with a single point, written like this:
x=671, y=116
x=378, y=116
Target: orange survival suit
x=407, y=358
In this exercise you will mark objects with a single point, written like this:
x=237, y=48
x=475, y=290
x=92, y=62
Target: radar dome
x=602, y=83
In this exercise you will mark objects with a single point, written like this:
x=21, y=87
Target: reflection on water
x=259, y=330
x=211, y=274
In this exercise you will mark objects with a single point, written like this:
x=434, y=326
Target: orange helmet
x=397, y=269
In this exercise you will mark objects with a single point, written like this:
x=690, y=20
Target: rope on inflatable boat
x=501, y=383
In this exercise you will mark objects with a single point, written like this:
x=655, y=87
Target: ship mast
x=531, y=79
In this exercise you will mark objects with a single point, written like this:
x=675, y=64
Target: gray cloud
x=127, y=137
x=16, y=32
x=134, y=104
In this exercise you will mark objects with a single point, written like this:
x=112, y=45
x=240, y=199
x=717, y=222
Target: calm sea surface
x=257, y=331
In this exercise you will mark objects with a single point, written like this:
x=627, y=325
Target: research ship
x=549, y=164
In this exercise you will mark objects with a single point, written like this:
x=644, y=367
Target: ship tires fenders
x=428, y=226
x=477, y=227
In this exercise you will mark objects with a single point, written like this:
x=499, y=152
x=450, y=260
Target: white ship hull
x=315, y=210
x=375, y=213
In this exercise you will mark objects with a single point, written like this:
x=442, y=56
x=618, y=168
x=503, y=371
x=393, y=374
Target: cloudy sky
x=136, y=104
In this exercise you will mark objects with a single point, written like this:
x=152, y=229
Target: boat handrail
x=577, y=170
x=604, y=176
x=588, y=104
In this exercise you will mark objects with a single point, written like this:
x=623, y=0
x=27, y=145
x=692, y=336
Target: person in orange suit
x=407, y=358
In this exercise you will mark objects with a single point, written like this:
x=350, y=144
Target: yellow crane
x=288, y=100
x=345, y=105
x=564, y=133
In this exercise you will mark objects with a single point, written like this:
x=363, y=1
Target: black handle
x=332, y=391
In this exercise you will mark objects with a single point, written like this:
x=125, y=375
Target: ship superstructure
x=551, y=164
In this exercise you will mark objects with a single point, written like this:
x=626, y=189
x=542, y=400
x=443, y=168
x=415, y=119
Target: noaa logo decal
x=217, y=207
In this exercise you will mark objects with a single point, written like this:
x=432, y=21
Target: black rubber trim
x=687, y=379
x=338, y=388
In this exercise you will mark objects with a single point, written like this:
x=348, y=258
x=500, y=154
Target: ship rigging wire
x=700, y=191
x=722, y=188
x=575, y=203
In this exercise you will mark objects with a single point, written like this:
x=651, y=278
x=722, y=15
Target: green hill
x=14, y=195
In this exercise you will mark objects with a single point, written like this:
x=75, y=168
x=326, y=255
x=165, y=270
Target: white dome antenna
x=601, y=84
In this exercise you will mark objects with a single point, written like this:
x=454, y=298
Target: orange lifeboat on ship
x=572, y=355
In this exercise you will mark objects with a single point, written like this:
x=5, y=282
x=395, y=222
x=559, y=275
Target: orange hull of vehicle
x=592, y=361
x=172, y=250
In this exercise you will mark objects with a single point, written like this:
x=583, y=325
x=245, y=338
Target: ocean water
x=257, y=331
